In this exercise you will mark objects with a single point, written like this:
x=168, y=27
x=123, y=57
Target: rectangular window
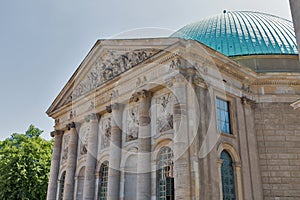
x=223, y=116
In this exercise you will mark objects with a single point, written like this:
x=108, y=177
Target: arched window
x=228, y=182
x=102, y=191
x=165, y=174
x=61, y=185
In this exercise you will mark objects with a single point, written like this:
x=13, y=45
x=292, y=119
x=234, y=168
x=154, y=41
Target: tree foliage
x=25, y=165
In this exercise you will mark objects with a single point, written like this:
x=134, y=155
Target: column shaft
x=115, y=153
x=144, y=148
x=91, y=159
x=182, y=182
x=55, y=163
x=71, y=164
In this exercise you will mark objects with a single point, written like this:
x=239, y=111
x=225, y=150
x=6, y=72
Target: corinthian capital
x=71, y=125
x=56, y=132
x=247, y=101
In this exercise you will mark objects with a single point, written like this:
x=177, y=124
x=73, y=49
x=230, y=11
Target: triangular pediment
x=107, y=60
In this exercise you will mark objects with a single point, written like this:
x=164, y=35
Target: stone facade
x=135, y=104
x=279, y=150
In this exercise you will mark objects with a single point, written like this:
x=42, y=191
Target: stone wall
x=278, y=135
x=295, y=9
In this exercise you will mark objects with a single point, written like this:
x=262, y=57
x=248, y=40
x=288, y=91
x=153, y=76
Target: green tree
x=25, y=165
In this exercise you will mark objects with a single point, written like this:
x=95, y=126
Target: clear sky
x=44, y=41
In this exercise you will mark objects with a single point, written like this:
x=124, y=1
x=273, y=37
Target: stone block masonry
x=278, y=137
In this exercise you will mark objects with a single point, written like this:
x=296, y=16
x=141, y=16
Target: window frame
x=223, y=109
x=233, y=174
x=160, y=171
x=231, y=111
x=104, y=166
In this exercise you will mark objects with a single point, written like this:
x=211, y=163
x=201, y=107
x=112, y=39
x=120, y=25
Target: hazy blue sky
x=43, y=42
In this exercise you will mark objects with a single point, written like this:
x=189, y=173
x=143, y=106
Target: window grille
x=103, y=181
x=228, y=183
x=165, y=174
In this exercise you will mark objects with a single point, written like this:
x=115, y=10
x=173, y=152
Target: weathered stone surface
x=279, y=163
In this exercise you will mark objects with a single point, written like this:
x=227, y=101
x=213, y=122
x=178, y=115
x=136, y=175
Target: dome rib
x=240, y=33
x=270, y=36
x=273, y=31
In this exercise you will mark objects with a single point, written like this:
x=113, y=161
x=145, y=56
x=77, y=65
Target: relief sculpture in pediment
x=108, y=66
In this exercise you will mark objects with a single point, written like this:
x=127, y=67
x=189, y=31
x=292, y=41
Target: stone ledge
x=296, y=104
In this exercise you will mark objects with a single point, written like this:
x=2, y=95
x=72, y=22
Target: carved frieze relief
x=109, y=65
x=141, y=81
x=175, y=64
x=246, y=88
x=114, y=94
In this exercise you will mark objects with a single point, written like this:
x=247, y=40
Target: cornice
x=277, y=82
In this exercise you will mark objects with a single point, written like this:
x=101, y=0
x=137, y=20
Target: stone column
x=55, y=163
x=71, y=162
x=91, y=158
x=182, y=182
x=115, y=152
x=144, y=147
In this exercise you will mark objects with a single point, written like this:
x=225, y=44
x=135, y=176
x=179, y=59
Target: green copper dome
x=241, y=33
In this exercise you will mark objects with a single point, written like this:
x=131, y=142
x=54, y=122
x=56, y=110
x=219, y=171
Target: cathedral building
x=211, y=112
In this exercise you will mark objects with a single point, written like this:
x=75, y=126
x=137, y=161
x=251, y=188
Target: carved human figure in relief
x=106, y=132
x=108, y=73
x=133, y=124
x=175, y=64
x=84, y=141
x=164, y=113
x=65, y=147
x=109, y=65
